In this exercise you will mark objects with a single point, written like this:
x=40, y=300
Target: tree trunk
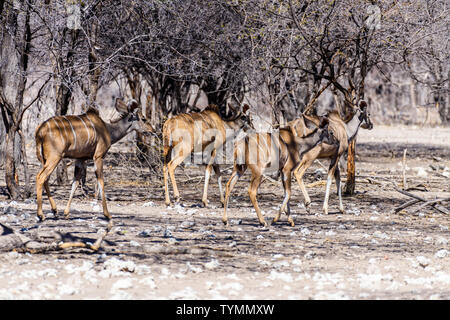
x=15, y=49
x=444, y=109
x=350, y=184
x=10, y=166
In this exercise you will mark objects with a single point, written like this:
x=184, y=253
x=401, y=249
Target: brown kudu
x=204, y=132
x=81, y=137
x=281, y=152
x=343, y=133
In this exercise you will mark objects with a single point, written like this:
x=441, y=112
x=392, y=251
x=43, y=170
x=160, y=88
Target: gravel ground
x=185, y=252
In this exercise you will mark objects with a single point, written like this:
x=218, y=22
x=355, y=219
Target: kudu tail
x=39, y=138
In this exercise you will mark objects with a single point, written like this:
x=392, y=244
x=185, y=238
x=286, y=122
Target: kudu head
x=131, y=117
x=364, y=116
x=241, y=119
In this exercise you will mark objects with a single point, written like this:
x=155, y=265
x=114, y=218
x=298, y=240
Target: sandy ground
x=159, y=252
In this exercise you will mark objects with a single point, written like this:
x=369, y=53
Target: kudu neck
x=352, y=126
x=118, y=130
x=233, y=130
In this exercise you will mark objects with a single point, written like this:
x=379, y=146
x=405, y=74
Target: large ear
x=363, y=105
x=227, y=113
x=323, y=121
x=132, y=105
x=245, y=109
x=120, y=106
x=293, y=126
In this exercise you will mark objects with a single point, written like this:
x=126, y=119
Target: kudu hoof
x=291, y=222
x=308, y=207
x=204, y=204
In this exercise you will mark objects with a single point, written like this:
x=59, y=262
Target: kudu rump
x=81, y=137
x=278, y=151
x=204, y=132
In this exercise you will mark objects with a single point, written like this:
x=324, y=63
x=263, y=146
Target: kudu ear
x=323, y=121
x=363, y=105
x=293, y=126
x=132, y=105
x=121, y=106
x=246, y=109
x=228, y=112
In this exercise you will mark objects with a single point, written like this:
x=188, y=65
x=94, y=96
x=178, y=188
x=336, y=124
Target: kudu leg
x=50, y=198
x=235, y=175
x=285, y=205
x=171, y=166
x=42, y=181
x=98, y=165
x=207, y=176
x=252, y=191
x=337, y=177
x=80, y=168
x=331, y=173
x=219, y=182
x=166, y=184
x=298, y=173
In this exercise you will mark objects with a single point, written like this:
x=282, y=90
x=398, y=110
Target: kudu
x=205, y=132
x=281, y=151
x=343, y=133
x=81, y=137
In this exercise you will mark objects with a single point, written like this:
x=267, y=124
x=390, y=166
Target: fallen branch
x=405, y=205
x=433, y=203
x=11, y=240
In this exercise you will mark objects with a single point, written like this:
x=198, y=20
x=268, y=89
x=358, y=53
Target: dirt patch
x=156, y=252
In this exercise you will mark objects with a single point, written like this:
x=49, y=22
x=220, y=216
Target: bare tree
x=16, y=37
x=426, y=50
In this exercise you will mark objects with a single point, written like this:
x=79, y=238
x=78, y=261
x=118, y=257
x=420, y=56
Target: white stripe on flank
x=60, y=132
x=64, y=127
x=93, y=128
x=50, y=129
x=74, y=133
x=89, y=134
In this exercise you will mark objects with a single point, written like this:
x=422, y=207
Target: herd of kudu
x=289, y=150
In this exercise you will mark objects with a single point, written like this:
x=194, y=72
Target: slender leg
x=285, y=206
x=77, y=176
x=237, y=173
x=165, y=175
x=252, y=191
x=50, y=198
x=207, y=176
x=171, y=166
x=82, y=181
x=337, y=177
x=219, y=181
x=41, y=180
x=98, y=165
x=331, y=171
x=298, y=173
